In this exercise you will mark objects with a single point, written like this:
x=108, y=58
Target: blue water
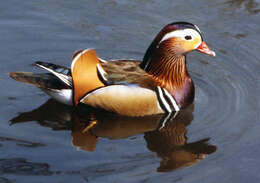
x=216, y=140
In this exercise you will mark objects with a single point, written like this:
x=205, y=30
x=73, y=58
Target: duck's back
x=127, y=72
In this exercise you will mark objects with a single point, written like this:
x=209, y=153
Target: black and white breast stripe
x=166, y=101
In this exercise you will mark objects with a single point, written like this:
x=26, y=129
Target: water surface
x=215, y=140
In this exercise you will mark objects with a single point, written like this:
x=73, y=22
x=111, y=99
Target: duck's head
x=175, y=40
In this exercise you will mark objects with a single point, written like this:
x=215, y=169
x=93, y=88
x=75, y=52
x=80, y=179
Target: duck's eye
x=188, y=37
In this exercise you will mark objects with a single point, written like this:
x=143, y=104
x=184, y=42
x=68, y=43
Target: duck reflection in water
x=165, y=135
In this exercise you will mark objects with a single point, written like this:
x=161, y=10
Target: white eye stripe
x=181, y=34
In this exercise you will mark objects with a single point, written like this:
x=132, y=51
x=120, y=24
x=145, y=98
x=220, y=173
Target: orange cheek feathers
x=189, y=46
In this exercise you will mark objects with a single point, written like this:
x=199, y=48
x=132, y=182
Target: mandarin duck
x=160, y=83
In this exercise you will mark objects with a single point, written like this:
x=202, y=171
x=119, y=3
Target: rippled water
x=215, y=140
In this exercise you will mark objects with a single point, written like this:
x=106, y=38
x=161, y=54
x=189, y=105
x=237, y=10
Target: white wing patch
x=125, y=100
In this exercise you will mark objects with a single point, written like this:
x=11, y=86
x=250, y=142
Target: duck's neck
x=169, y=71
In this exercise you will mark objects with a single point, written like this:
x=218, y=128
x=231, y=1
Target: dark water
x=216, y=140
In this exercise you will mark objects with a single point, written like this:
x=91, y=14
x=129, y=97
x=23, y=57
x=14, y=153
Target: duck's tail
x=48, y=83
x=57, y=83
x=25, y=77
x=86, y=71
x=43, y=81
x=58, y=78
